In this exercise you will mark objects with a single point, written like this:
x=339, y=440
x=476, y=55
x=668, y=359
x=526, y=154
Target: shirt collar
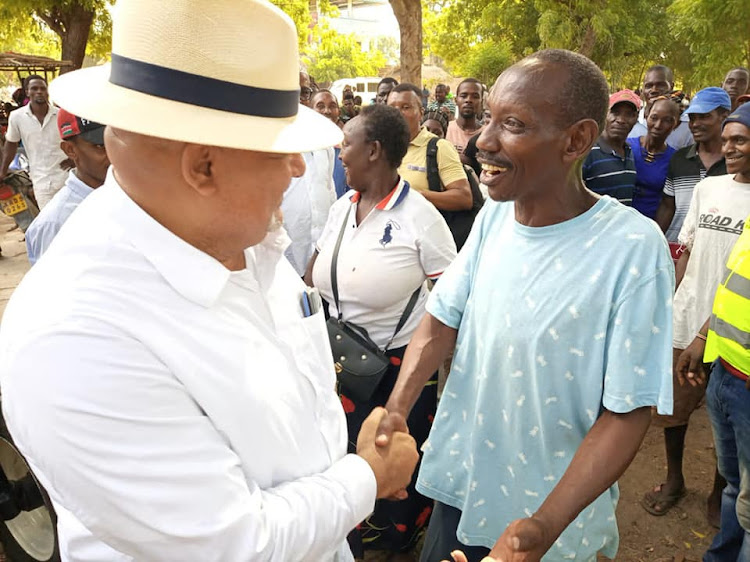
x=692, y=151
x=390, y=201
x=194, y=274
x=51, y=112
x=422, y=138
x=77, y=186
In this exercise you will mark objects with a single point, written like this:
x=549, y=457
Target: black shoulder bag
x=360, y=364
x=459, y=222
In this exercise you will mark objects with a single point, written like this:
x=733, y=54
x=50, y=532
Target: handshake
x=390, y=451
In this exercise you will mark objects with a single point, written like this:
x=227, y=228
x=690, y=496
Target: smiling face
x=735, y=145
x=523, y=129
x=440, y=93
x=355, y=153
x=325, y=104
x=620, y=120
x=706, y=126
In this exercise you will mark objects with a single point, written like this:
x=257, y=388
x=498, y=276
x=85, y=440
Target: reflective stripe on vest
x=737, y=283
x=729, y=328
x=726, y=330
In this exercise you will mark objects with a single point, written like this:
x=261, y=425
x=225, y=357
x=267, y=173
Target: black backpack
x=459, y=222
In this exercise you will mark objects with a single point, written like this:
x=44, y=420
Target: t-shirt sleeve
x=14, y=132
x=449, y=163
x=448, y=299
x=669, y=182
x=638, y=367
x=687, y=232
x=437, y=248
x=333, y=224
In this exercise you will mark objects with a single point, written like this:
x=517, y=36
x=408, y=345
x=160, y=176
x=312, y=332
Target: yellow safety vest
x=729, y=331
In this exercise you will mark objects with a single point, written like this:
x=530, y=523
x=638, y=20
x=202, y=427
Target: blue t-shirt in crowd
x=339, y=174
x=554, y=324
x=649, y=177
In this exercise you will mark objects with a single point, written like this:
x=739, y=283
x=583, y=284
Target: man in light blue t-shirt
x=559, y=306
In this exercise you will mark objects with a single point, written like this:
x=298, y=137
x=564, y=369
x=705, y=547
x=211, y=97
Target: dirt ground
x=643, y=537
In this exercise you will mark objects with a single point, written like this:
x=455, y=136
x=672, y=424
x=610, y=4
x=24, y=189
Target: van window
x=372, y=87
x=360, y=86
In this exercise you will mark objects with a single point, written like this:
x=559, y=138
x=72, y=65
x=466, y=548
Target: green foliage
x=700, y=39
x=715, y=35
x=299, y=11
x=337, y=56
x=26, y=26
x=485, y=61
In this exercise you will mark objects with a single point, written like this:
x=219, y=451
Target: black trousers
x=441, y=537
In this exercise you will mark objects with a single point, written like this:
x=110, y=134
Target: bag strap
x=433, y=173
x=405, y=315
x=334, y=261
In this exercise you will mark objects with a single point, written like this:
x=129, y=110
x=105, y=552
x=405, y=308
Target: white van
x=365, y=86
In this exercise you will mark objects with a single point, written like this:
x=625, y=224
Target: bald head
x=571, y=82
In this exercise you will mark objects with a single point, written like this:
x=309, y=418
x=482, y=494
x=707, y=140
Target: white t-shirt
x=383, y=260
x=42, y=144
x=712, y=225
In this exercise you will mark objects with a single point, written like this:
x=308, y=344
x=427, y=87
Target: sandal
x=658, y=503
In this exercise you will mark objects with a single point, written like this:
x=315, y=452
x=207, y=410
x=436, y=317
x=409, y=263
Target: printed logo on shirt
x=721, y=223
x=416, y=168
x=387, y=238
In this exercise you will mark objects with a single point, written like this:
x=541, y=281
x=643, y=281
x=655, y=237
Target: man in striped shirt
x=609, y=169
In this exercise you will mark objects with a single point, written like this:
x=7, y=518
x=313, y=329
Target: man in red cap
x=609, y=169
x=82, y=142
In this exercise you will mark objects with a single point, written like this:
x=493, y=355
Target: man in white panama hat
x=160, y=377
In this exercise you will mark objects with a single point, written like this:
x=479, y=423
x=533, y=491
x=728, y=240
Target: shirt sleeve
x=669, y=182
x=14, y=132
x=437, y=249
x=687, y=232
x=38, y=238
x=145, y=470
x=449, y=163
x=333, y=225
x=448, y=298
x=638, y=368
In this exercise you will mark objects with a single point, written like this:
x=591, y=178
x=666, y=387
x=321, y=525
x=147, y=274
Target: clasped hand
x=525, y=540
x=392, y=461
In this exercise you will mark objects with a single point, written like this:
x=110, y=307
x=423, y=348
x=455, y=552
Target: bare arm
x=605, y=453
x=456, y=197
x=665, y=212
x=9, y=153
x=308, y=276
x=681, y=266
x=429, y=346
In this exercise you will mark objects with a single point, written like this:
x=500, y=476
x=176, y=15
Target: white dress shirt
x=173, y=409
x=42, y=144
x=48, y=223
x=306, y=205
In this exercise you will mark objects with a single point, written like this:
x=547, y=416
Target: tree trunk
x=589, y=42
x=73, y=24
x=409, y=16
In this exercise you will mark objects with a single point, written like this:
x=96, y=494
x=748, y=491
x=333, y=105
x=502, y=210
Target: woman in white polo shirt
x=393, y=242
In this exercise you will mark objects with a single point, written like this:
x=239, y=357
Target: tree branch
x=53, y=23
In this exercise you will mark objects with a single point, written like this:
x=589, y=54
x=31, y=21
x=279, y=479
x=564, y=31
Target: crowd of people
x=564, y=263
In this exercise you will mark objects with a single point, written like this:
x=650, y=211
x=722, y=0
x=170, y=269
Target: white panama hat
x=220, y=73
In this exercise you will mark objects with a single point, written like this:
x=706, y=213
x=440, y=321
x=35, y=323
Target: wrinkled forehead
x=531, y=80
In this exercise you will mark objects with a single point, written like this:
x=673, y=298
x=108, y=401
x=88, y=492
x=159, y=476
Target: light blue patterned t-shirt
x=554, y=324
